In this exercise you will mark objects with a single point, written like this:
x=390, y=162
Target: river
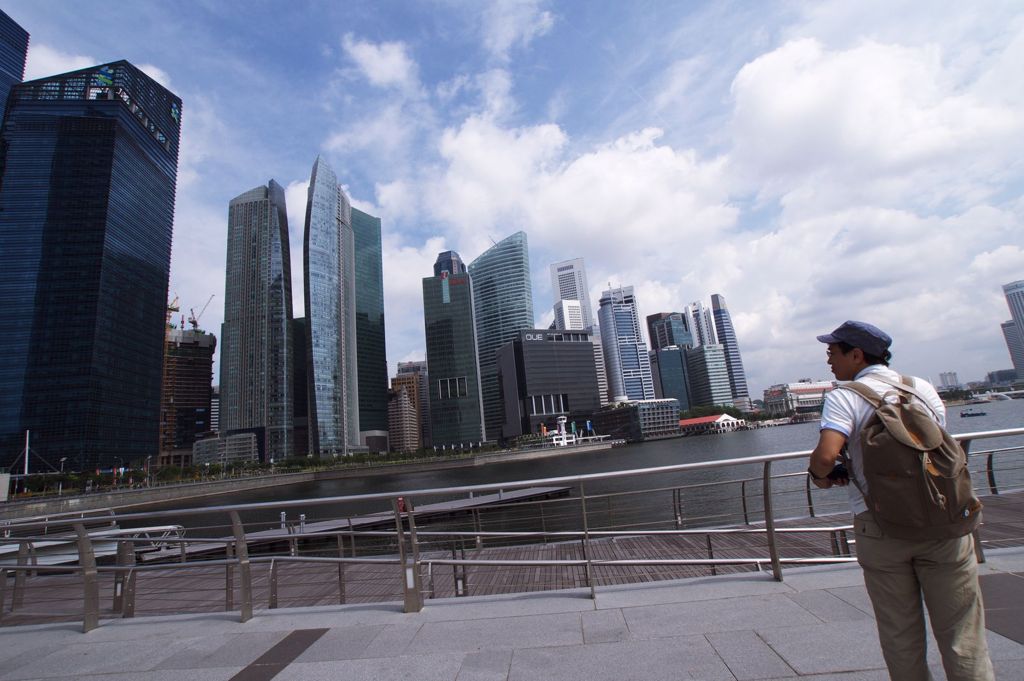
x=713, y=504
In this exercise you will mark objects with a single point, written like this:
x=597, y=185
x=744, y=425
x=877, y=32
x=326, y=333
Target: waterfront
x=703, y=505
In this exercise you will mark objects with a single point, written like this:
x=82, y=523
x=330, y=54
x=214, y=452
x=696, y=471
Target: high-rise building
x=300, y=388
x=569, y=283
x=329, y=288
x=185, y=408
x=89, y=163
x=671, y=378
x=257, y=355
x=626, y=359
x=13, y=51
x=708, y=376
x=702, y=325
x=733, y=361
x=544, y=374
x=403, y=424
x=949, y=379
x=215, y=409
x=669, y=328
x=370, y=350
x=456, y=409
x=418, y=371
x=502, y=306
x=1014, y=292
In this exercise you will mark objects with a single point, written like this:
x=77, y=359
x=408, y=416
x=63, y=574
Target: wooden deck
x=58, y=597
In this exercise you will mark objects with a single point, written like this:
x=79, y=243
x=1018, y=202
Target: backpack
x=916, y=472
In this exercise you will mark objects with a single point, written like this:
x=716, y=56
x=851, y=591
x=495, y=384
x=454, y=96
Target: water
x=718, y=504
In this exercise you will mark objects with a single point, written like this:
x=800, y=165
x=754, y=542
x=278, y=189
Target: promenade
x=816, y=624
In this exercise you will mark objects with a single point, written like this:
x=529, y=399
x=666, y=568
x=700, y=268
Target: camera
x=838, y=473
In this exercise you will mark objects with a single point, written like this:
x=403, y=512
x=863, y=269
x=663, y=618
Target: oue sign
x=533, y=336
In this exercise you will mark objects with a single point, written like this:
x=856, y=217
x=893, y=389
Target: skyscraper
x=411, y=384
x=671, y=376
x=418, y=370
x=456, y=409
x=708, y=376
x=89, y=162
x=702, y=326
x=626, y=358
x=329, y=288
x=13, y=51
x=569, y=283
x=733, y=361
x=1014, y=292
x=256, y=359
x=502, y=306
x=187, y=390
x=669, y=328
x=370, y=350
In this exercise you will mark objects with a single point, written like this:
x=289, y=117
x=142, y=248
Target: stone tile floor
x=816, y=624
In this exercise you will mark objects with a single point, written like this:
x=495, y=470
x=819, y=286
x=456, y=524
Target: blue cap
x=868, y=338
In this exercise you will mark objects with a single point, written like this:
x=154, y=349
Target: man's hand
x=824, y=457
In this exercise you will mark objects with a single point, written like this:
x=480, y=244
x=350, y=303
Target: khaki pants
x=897, y=573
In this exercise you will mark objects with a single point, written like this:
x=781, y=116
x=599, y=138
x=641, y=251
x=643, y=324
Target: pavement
x=816, y=624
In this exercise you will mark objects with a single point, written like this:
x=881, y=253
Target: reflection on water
x=702, y=505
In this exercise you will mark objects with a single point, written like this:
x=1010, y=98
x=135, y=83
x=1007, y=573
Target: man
x=897, y=572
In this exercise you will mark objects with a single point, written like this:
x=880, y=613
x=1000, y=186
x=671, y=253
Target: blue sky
x=812, y=162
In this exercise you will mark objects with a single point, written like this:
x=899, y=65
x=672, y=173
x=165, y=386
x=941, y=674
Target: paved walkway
x=814, y=625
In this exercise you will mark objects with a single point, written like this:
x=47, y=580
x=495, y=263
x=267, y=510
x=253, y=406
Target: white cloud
x=384, y=64
x=44, y=61
x=384, y=132
x=514, y=23
x=157, y=74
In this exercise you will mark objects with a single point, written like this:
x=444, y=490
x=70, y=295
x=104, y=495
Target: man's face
x=844, y=366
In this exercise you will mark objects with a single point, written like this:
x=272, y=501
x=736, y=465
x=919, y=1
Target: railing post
x=90, y=581
x=478, y=527
x=769, y=522
x=229, y=578
x=743, y=496
x=413, y=598
x=125, y=557
x=586, y=543
x=677, y=507
x=991, y=471
x=272, y=604
x=711, y=555
x=128, y=609
x=242, y=552
x=979, y=552
x=3, y=591
x=341, y=569
x=543, y=525
x=19, y=576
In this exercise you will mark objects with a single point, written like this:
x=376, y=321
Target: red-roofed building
x=718, y=423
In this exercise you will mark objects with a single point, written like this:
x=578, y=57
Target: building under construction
x=185, y=404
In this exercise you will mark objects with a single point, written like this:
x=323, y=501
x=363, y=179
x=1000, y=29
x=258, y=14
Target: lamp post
x=147, y=470
x=60, y=484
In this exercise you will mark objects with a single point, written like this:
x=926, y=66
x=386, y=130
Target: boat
x=971, y=412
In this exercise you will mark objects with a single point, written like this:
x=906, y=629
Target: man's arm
x=824, y=457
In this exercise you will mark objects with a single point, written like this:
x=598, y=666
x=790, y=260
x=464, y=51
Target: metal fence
x=586, y=531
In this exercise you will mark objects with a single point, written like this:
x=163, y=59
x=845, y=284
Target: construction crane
x=172, y=307
x=194, y=318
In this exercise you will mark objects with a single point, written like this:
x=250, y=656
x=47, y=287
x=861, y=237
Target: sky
x=811, y=162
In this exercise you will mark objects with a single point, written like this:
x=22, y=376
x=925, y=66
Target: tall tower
x=329, y=286
x=626, y=358
x=569, y=283
x=256, y=367
x=370, y=350
x=733, y=361
x=187, y=392
x=502, y=306
x=90, y=160
x=456, y=409
x=669, y=328
x=13, y=51
x=1013, y=330
x=708, y=376
x=702, y=325
x=417, y=370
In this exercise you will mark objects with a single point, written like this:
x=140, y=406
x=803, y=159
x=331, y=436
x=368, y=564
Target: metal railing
x=582, y=529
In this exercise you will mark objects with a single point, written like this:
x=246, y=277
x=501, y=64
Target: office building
x=569, y=283
x=671, y=378
x=733, y=361
x=544, y=374
x=502, y=306
x=414, y=386
x=709, y=376
x=215, y=409
x=257, y=353
x=403, y=422
x=626, y=360
x=665, y=329
x=949, y=379
x=1014, y=334
x=1014, y=344
x=300, y=389
x=702, y=324
x=638, y=420
x=89, y=163
x=185, y=404
x=226, y=450
x=370, y=346
x=456, y=408
x=802, y=397
x=329, y=288
x=13, y=52
x=418, y=370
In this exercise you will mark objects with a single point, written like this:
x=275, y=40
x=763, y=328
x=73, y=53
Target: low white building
x=803, y=397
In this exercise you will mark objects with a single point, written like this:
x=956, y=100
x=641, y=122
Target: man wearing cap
x=898, y=572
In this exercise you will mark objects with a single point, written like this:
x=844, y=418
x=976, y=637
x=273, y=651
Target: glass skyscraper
x=330, y=285
x=626, y=358
x=256, y=365
x=13, y=50
x=708, y=376
x=89, y=164
x=503, y=306
x=370, y=346
x=669, y=328
x=456, y=410
x=1013, y=329
x=733, y=360
x=569, y=283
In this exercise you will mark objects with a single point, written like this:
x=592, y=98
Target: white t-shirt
x=846, y=412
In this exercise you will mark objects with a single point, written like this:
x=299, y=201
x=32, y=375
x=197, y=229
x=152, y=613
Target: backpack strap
x=872, y=398
x=906, y=385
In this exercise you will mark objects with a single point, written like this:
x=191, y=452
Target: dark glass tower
x=13, y=50
x=89, y=162
x=503, y=306
x=370, y=350
x=456, y=411
x=668, y=328
x=256, y=367
x=733, y=361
